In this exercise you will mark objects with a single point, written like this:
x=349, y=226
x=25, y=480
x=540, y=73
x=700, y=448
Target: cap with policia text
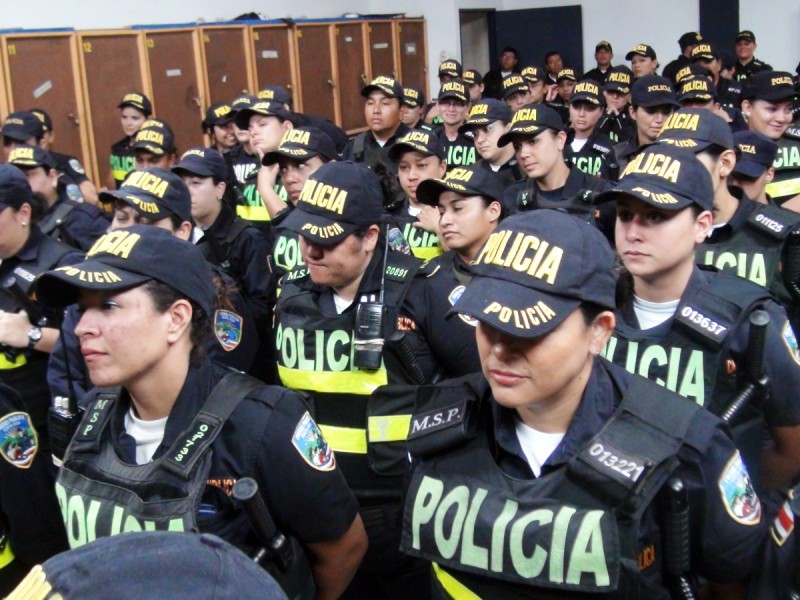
x=300, y=144
x=336, y=200
x=745, y=36
x=153, y=122
x=529, y=121
x=666, y=177
x=689, y=39
x=418, y=140
x=468, y=181
x=14, y=188
x=587, y=91
x=704, y=51
x=129, y=257
x=388, y=86
x=472, y=77
x=22, y=125
x=455, y=88
x=653, y=90
x=696, y=89
x=618, y=80
x=450, y=68
x=154, y=194
x=692, y=70
x=243, y=101
x=29, y=157
x=144, y=566
x=155, y=140
x=202, y=162
x=603, y=45
x=220, y=113
x=768, y=85
x=641, y=50
x=275, y=93
x=531, y=74
x=755, y=153
x=533, y=273
x=47, y=122
x=513, y=84
x=265, y=108
x=696, y=129
x=566, y=75
x=413, y=96
x=138, y=101
x=487, y=111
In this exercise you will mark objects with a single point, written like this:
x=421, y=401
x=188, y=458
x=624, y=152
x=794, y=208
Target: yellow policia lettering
x=416, y=136
x=21, y=153
x=328, y=231
x=91, y=276
x=324, y=196
x=524, y=114
x=543, y=264
x=682, y=121
x=781, y=81
x=200, y=153
x=297, y=136
x=147, y=182
x=459, y=175
x=513, y=533
x=149, y=135
x=222, y=111
x=587, y=86
x=119, y=243
x=479, y=109
x=659, y=165
x=524, y=318
x=752, y=267
x=512, y=80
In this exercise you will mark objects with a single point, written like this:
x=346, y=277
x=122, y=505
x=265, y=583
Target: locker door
x=227, y=63
x=413, y=54
x=113, y=64
x=381, y=49
x=274, y=56
x=42, y=72
x=316, y=73
x=174, y=60
x=351, y=62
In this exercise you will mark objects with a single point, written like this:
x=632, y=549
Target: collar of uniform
x=225, y=219
x=401, y=131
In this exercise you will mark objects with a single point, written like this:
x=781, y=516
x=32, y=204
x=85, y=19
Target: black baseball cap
x=138, y=101
x=566, y=75
x=653, y=90
x=468, y=181
x=529, y=121
x=388, y=86
x=155, y=140
x=243, y=101
x=219, y=113
x=154, y=122
x=300, y=144
x=26, y=157
x=275, y=93
x=144, y=566
x=755, y=153
x=769, y=85
x=336, y=200
x=746, y=35
x=642, y=50
x=603, y=45
x=689, y=39
x=22, y=125
x=664, y=176
x=203, y=162
x=455, y=88
x=47, y=122
x=532, y=273
x=691, y=70
x=618, y=80
x=266, y=108
x=154, y=194
x=696, y=88
x=704, y=51
x=696, y=129
x=413, y=96
x=450, y=68
x=472, y=77
x=513, y=84
x=487, y=111
x=418, y=140
x=587, y=91
x=14, y=187
x=531, y=74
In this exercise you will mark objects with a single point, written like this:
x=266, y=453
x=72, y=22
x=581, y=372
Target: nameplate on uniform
x=601, y=148
x=396, y=272
x=192, y=441
x=702, y=323
x=768, y=225
x=608, y=459
x=793, y=132
x=436, y=420
x=296, y=274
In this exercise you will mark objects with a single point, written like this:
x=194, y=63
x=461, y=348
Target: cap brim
x=616, y=87
x=447, y=95
x=774, y=95
x=527, y=132
x=585, y=98
x=653, y=195
x=151, y=148
x=62, y=286
x=690, y=144
x=300, y=154
x=700, y=96
x=192, y=169
x=387, y=91
x=135, y=203
x=749, y=168
x=320, y=230
x=16, y=135
x=396, y=151
x=659, y=102
x=428, y=191
x=513, y=309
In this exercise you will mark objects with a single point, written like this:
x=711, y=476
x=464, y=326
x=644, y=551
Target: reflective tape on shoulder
x=359, y=383
x=426, y=253
x=788, y=187
x=252, y=213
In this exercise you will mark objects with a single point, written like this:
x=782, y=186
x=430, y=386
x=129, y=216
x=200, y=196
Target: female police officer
x=140, y=459
x=540, y=477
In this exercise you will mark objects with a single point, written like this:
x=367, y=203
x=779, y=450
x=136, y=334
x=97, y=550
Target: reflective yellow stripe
x=119, y=174
x=345, y=439
x=456, y=589
x=6, y=364
x=390, y=428
x=252, y=213
x=6, y=556
x=360, y=383
x=789, y=187
x=426, y=253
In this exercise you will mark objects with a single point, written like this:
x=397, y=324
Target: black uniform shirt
x=122, y=159
x=241, y=163
x=461, y=151
x=373, y=152
x=742, y=72
x=69, y=166
x=509, y=172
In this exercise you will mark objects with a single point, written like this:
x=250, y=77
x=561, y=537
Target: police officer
x=535, y=80
x=643, y=61
x=474, y=81
x=454, y=105
x=566, y=82
x=728, y=91
x=412, y=107
x=590, y=148
x=493, y=79
x=753, y=171
x=616, y=122
x=488, y=120
x=75, y=223
x=134, y=108
x=22, y=127
x=746, y=64
x=154, y=147
x=603, y=54
x=516, y=91
x=688, y=42
x=449, y=69
x=218, y=125
x=688, y=328
x=334, y=319
x=242, y=158
x=146, y=299
x=541, y=477
x=468, y=204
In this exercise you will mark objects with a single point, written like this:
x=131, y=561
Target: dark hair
x=512, y=50
x=551, y=53
x=590, y=310
x=714, y=152
x=38, y=206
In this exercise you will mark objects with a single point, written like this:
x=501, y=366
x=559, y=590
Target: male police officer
x=747, y=64
x=687, y=42
x=493, y=80
x=474, y=82
x=154, y=146
x=516, y=91
x=729, y=91
x=535, y=80
x=603, y=54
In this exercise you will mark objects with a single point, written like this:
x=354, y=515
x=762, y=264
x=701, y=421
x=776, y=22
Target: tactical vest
x=123, y=161
x=218, y=252
x=51, y=224
x=754, y=251
x=573, y=530
x=363, y=152
x=315, y=352
x=250, y=205
x=786, y=183
x=424, y=244
x=581, y=204
x=286, y=252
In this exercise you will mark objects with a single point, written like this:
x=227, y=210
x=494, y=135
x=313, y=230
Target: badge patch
x=228, y=329
x=77, y=166
x=791, y=342
x=18, y=440
x=454, y=296
x=312, y=446
x=783, y=525
x=738, y=494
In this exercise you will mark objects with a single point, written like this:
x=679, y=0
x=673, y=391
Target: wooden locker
x=227, y=62
x=113, y=64
x=315, y=61
x=175, y=66
x=274, y=57
x=413, y=53
x=351, y=73
x=42, y=71
x=381, y=49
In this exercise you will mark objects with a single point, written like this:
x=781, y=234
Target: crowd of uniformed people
x=533, y=338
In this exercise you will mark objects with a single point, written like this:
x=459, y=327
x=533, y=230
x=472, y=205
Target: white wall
x=772, y=23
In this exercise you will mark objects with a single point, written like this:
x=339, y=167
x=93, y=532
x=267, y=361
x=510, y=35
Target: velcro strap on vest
x=451, y=585
x=345, y=439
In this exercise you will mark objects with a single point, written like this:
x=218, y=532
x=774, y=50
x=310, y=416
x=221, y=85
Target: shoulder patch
x=77, y=166
x=18, y=440
x=737, y=492
x=228, y=329
x=783, y=525
x=74, y=193
x=791, y=342
x=312, y=445
x=453, y=297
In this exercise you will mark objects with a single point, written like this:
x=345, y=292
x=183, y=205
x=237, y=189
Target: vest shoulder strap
x=772, y=221
x=237, y=227
x=95, y=419
x=51, y=221
x=359, y=147
x=400, y=271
